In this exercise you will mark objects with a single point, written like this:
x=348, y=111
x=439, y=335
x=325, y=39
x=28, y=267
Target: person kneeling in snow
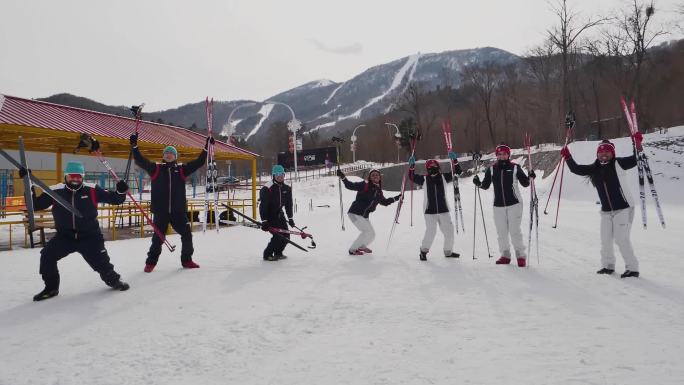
x=273, y=197
x=369, y=194
x=617, y=206
x=507, y=203
x=75, y=234
x=435, y=204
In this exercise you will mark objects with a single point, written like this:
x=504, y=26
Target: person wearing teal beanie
x=273, y=197
x=168, y=202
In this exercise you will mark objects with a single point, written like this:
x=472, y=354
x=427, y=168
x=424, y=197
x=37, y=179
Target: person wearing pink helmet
x=607, y=174
x=508, y=208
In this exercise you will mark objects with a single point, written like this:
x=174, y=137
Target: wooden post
x=254, y=181
x=58, y=168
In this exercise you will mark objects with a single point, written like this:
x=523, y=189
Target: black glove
x=532, y=174
x=291, y=222
x=134, y=140
x=121, y=187
x=94, y=145
x=396, y=198
x=210, y=140
x=340, y=173
x=476, y=181
x=23, y=172
x=264, y=225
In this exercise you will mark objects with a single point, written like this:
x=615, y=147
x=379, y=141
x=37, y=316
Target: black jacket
x=168, y=181
x=502, y=175
x=434, y=189
x=605, y=178
x=273, y=197
x=367, y=197
x=85, y=200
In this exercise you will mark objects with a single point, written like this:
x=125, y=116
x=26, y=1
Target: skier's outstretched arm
x=112, y=197
x=143, y=162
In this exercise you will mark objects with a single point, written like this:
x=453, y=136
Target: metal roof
x=39, y=114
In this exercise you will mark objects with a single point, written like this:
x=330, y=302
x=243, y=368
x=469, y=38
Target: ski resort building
x=51, y=133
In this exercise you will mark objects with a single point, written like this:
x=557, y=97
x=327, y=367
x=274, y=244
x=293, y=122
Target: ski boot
x=605, y=270
x=522, y=262
x=365, y=249
x=118, y=284
x=503, y=261
x=452, y=255
x=45, y=294
x=356, y=252
x=280, y=256
x=629, y=273
x=423, y=255
x=148, y=268
x=189, y=265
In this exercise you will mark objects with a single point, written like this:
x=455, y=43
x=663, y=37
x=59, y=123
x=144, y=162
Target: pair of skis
x=275, y=231
x=458, y=210
x=642, y=163
x=212, y=171
x=29, y=181
x=534, y=200
x=477, y=158
x=339, y=181
x=300, y=231
x=413, y=140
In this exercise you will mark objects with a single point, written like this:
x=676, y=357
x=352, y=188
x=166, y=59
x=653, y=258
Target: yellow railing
x=113, y=217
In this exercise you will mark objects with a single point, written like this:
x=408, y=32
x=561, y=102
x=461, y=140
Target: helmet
x=503, y=148
x=606, y=146
x=171, y=149
x=431, y=163
x=74, y=167
x=277, y=170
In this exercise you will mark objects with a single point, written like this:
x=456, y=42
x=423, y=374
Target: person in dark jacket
x=168, y=202
x=435, y=204
x=507, y=203
x=368, y=196
x=75, y=234
x=273, y=198
x=607, y=174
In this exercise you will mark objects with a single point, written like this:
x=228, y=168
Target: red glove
x=638, y=138
x=565, y=153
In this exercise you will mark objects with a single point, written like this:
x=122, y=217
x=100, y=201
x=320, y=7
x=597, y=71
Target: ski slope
x=325, y=317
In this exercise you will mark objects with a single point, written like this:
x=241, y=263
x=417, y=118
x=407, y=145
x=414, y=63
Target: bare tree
x=564, y=36
x=484, y=79
x=634, y=30
x=414, y=101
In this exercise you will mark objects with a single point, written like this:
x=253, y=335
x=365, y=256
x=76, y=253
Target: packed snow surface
x=324, y=317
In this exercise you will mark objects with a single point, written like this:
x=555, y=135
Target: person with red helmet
x=368, y=196
x=507, y=203
x=607, y=174
x=436, y=209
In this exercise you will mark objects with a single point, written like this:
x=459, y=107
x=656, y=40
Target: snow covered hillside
x=325, y=317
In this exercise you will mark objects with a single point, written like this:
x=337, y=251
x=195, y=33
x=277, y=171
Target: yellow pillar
x=254, y=184
x=58, y=168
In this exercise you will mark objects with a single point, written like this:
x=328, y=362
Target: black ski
x=28, y=196
x=259, y=223
x=46, y=189
x=300, y=233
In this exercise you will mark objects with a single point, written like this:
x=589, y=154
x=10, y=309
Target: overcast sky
x=168, y=53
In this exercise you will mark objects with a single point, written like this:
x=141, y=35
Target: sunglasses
x=279, y=174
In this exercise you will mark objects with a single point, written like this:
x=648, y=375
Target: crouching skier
x=74, y=234
x=274, y=197
x=369, y=194
x=607, y=174
x=435, y=204
x=507, y=203
x=169, y=205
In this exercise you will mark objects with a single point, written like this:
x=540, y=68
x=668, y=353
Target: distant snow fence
x=315, y=172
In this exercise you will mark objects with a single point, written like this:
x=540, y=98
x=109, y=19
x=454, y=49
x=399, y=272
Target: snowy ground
x=324, y=317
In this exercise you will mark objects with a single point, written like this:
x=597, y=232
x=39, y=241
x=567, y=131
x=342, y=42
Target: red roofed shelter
x=54, y=128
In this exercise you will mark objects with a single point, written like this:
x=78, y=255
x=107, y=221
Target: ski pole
x=137, y=114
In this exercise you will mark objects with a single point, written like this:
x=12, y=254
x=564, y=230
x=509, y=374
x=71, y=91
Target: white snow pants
x=508, y=220
x=615, y=228
x=445, y=225
x=367, y=232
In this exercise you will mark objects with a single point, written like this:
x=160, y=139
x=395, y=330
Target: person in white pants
x=435, y=205
x=507, y=203
x=368, y=196
x=607, y=174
